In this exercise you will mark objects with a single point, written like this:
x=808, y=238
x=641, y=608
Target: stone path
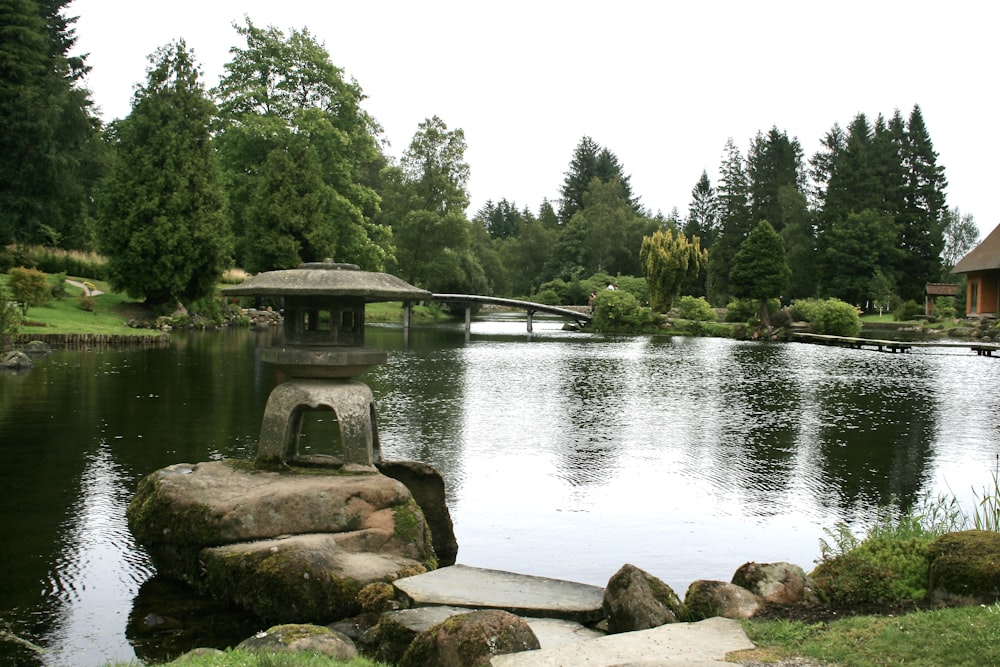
x=556, y=611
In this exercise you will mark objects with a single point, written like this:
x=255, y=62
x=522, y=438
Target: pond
x=564, y=455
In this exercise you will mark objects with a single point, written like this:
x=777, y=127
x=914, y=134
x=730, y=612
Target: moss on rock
x=965, y=566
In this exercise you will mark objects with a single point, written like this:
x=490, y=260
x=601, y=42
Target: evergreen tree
x=50, y=149
x=774, y=162
x=921, y=222
x=703, y=212
x=800, y=242
x=760, y=270
x=163, y=207
x=300, y=155
x=591, y=161
x=734, y=222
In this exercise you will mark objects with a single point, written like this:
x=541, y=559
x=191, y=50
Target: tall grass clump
x=986, y=513
x=81, y=263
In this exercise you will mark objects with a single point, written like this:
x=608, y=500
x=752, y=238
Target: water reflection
x=563, y=454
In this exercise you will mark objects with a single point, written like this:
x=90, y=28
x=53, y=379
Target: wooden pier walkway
x=981, y=349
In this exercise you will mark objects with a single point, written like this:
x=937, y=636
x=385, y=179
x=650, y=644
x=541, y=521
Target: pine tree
x=922, y=218
x=50, y=148
x=774, y=162
x=591, y=161
x=734, y=222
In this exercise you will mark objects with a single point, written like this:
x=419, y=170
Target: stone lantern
x=322, y=354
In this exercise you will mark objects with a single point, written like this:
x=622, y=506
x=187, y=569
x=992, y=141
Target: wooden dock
x=981, y=349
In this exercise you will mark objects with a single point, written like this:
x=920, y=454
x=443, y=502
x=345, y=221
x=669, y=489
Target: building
x=982, y=270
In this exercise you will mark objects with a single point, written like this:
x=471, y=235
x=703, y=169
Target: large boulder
x=298, y=579
x=636, y=600
x=295, y=638
x=708, y=599
x=182, y=509
x=427, y=487
x=16, y=359
x=776, y=583
x=289, y=546
x=470, y=640
x=965, y=567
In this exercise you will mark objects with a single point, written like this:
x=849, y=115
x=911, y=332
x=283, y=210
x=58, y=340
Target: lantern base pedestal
x=350, y=401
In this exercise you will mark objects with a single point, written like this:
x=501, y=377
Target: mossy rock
x=965, y=567
x=304, y=578
x=301, y=638
x=470, y=640
x=636, y=600
x=708, y=599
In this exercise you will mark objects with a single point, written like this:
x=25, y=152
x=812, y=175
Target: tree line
x=279, y=163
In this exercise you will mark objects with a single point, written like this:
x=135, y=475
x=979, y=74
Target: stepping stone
x=524, y=595
x=701, y=644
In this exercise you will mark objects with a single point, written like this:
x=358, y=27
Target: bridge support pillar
x=530, y=314
x=468, y=318
x=406, y=315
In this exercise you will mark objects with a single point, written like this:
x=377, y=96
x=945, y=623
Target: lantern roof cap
x=328, y=278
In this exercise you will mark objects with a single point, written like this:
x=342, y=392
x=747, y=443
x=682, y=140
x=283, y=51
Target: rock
x=37, y=347
x=16, y=359
x=965, y=567
x=303, y=578
x=636, y=600
x=470, y=640
x=776, y=583
x=388, y=640
x=464, y=586
x=708, y=599
x=427, y=487
x=199, y=654
x=293, y=638
x=179, y=510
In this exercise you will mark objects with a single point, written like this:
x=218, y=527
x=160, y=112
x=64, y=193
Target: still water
x=564, y=455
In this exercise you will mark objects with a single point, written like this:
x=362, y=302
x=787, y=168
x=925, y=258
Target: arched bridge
x=529, y=307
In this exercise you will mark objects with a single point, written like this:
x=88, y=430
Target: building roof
x=940, y=289
x=983, y=257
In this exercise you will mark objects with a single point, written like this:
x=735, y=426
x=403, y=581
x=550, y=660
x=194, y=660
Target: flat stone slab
x=524, y=595
x=701, y=644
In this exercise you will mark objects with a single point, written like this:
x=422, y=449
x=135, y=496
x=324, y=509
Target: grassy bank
x=964, y=636
x=75, y=313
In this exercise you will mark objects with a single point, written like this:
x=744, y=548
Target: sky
x=663, y=85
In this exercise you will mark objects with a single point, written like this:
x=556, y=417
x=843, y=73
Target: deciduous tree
x=298, y=150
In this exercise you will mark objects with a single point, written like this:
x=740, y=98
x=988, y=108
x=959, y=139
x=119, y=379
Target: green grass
x=961, y=637
x=246, y=659
x=67, y=316
x=392, y=311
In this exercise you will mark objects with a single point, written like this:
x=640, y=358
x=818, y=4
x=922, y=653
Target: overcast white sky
x=661, y=84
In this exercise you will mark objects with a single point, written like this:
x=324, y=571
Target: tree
x=50, y=148
x=670, y=263
x=921, y=221
x=760, y=270
x=855, y=250
x=703, y=212
x=590, y=161
x=29, y=287
x=734, y=222
x=165, y=228
x=800, y=242
x=424, y=201
x=961, y=235
x=300, y=154
x=774, y=162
